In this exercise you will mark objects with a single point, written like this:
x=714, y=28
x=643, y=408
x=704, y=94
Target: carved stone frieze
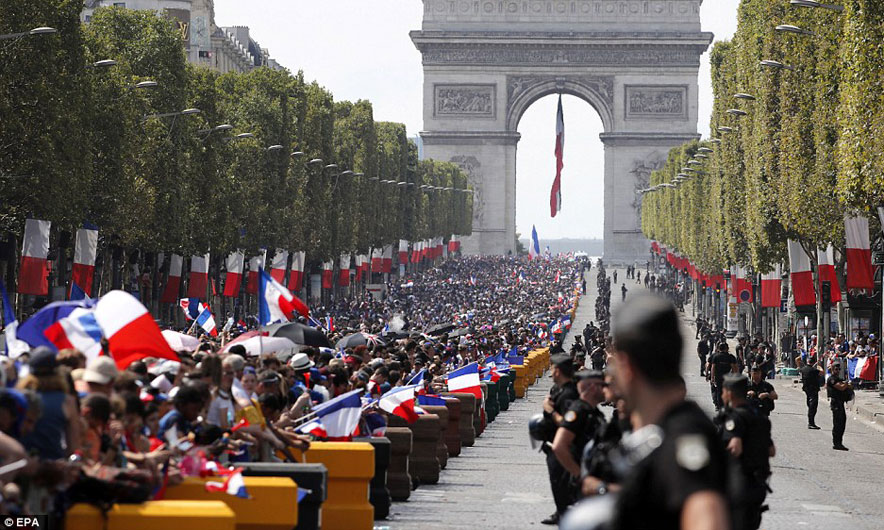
x=472, y=167
x=603, y=86
x=464, y=101
x=574, y=55
x=641, y=171
x=656, y=102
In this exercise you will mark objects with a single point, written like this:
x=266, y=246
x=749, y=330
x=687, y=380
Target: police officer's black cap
x=736, y=381
x=561, y=359
x=723, y=346
x=584, y=375
x=755, y=368
x=646, y=330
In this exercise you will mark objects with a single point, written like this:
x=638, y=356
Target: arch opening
x=583, y=175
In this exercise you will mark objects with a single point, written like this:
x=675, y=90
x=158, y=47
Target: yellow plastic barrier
x=273, y=504
x=350, y=469
x=520, y=385
x=153, y=515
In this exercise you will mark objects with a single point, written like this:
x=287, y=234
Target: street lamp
x=146, y=84
x=715, y=140
x=776, y=65
x=789, y=28
x=331, y=166
x=243, y=136
x=297, y=154
x=346, y=173
x=705, y=150
x=274, y=147
x=725, y=129
x=742, y=95
x=104, y=63
x=42, y=30
x=314, y=161
x=185, y=112
x=701, y=155
x=737, y=112
x=814, y=3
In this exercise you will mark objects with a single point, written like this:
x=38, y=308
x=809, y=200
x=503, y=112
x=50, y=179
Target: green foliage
x=79, y=143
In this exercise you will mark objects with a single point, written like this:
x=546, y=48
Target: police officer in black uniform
x=746, y=434
x=679, y=480
x=703, y=352
x=582, y=423
x=761, y=394
x=811, y=377
x=560, y=398
x=839, y=391
x=720, y=364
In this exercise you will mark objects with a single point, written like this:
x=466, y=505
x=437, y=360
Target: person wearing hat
x=582, y=423
x=556, y=404
x=301, y=364
x=746, y=433
x=839, y=391
x=719, y=365
x=100, y=375
x=761, y=393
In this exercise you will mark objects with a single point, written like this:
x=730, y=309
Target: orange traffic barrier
x=167, y=515
x=273, y=504
x=521, y=383
x=350, y=470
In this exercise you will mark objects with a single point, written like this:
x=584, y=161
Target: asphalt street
x=502, y=483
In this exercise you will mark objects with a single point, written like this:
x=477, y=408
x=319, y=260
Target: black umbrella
x=459, y=332
x=359, y=339
x=441, y=329
x=299, y=334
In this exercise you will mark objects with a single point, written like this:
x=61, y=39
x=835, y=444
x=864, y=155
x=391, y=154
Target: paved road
x=501, y=483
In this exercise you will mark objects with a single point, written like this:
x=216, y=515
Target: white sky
x=360, y=49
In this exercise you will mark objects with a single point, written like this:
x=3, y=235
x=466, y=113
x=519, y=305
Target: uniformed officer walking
x=582, y=423
x=679, y=480
x=811, y=376
x=746, y=434
x=559, y=401
x=720, y=364
x=839, y=391
x=761, y=394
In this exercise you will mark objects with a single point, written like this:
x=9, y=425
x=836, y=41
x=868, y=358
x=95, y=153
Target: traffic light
x=826, y=295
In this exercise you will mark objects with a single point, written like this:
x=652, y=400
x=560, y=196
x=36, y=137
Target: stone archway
x=485, y=62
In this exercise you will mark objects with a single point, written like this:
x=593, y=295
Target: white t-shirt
x=220, y=405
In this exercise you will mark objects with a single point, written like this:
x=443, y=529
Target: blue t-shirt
x=173, y=417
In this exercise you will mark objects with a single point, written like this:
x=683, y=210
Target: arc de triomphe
x=486, y=61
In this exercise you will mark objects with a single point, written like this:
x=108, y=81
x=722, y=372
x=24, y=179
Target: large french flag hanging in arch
x=555, y=196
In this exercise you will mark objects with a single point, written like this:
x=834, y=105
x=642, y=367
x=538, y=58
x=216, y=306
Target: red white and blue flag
x=296, y=278
x=199, y=276
x=83, y=269
x=232, y=485
x=278, y=265
x=801, y=274
x=275, y=302
x=399, y=401
x=173, y=283
x=77, y=331
x=466, y=380
x=555, y=196
x=192, y=307
x=860, y=275
x=33, y=274
x=207, y=322
x=336, y=418
x=14, y=346
x=255, y=263
x=233, y=279
x=534, y=248
x=130, y=330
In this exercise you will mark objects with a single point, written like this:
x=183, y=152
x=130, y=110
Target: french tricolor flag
x=377, y=260
x=83, y=269
x=234, y=485
x=416, y=252
x=233, y=279
x=278, y=265
x=328, y=274
x=826, y=272
x=366, y=265
x=255, y=263
x=78, y=331
x=344, y=275
x=771, y=287
x=555, y=196
x=33, y=275
x=336, y=418
x=296, y=277
x=466, y=380
x=207, y=322
x=400, y=402
x=859, y=255
x=199, y=276
x=403, y=251
x=130, y=330
x=387, y=259
x=275, y=302
x=801, y=274
x=358, y=267
x=173, y=284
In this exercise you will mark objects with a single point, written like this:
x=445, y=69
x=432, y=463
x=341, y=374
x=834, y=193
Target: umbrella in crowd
x=180, y=341
x=299, y=334
x=259, y=345
x=359, y=339
x=441, y=329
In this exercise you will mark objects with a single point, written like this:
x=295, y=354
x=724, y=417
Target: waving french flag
x=232, y=485
x=534, y=246
x=85, y=251
x=400, y=402
x=336, y=418
x=78, y=331
x=14, y=346
x=192, y=307
x=130, y=330
x=207, y=322
x=275, y=302
x=466, y=380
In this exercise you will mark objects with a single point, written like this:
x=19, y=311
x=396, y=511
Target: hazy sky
x=360, y=49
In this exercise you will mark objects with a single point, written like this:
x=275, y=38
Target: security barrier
x=273, y=504
x=492, y=404
x=467, y=411
x=167, y=515
x=398, y=478
x=441, y=447
x=423, y=464
x=503, y=392
x=313, y=478
x=378, y=494
x=452, y=433
x=520, y=386
x=350, y=469
x=479, y=420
